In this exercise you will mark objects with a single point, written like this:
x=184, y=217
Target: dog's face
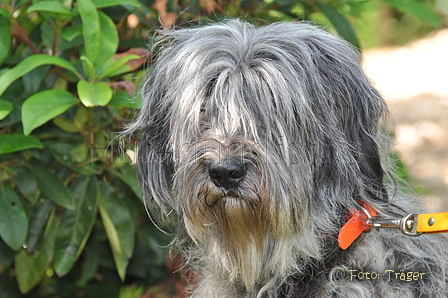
x=258, y=140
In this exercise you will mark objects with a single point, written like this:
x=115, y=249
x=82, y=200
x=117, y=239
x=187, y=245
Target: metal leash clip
x=407, y=224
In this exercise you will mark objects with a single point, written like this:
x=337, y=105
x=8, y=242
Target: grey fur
x=289, y=101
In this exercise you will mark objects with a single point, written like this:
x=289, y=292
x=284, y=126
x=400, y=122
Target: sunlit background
x=411, y=71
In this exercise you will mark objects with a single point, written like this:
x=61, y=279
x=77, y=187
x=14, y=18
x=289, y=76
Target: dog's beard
x=238, y=239
x=233, y=229
x=242, y=231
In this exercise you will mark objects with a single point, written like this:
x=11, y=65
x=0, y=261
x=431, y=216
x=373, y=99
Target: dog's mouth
x=212, y=198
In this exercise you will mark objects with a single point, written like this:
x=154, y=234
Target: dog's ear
x=154, y=165
x=355, y=110
x=154, y=156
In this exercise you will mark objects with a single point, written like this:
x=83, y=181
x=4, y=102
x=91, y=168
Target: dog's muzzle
x=227, y=175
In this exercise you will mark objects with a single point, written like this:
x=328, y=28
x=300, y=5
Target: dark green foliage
x=72, y=220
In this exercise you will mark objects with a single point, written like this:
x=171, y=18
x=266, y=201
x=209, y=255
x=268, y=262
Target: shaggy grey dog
x=256, y=145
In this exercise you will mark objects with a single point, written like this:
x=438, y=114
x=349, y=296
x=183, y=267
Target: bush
x=72, y=220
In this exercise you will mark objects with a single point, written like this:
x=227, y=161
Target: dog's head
x=258, y=139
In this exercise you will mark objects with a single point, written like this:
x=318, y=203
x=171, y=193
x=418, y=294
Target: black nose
x=227, y=175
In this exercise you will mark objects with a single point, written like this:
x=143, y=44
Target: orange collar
x=355, y=226
x=363, y=220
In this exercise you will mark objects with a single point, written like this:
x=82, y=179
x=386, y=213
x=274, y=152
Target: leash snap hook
x=407, y=224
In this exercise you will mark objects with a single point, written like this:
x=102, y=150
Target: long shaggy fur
x=290, y=103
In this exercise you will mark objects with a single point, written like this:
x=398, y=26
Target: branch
x=24, y=36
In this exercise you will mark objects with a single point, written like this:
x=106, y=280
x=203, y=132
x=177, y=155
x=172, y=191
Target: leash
x=411, y=225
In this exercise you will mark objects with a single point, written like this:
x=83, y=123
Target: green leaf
x=123, y=99
x=6, y=256
x=33, y=79
x=119, y=227
x=132, y=291
x=17, y=142
x=47, y=33
x=5, y=108
x=50, y=6
x=108, y=39
x=31, y=267
x=26, y=183
x=416, y=9
x=88, y=67
x=78, y=122
x=109, y=3
x=63, y=153
x=30, y=63
x=94, y=94
x=127, y=174
x=75, y=226
x=111, y=231
x=81, y=116
x=91, y=29
x=90, y=266
x=70, y=33
x=5, y=38
x=100, y=34
x=123, y=222
x=39, y=218
x=281, y=16
x=53, y=188
x=65, y=124
x=55, y=101
x=5, y=13
x=116, y=70
x=79, y=153
x=114, y=67
x=340, y=22
x=13, y=221
x=156, y=241
x=60, y=83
